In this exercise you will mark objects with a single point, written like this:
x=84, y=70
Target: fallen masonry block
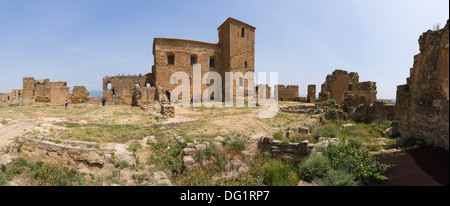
x=168, y=110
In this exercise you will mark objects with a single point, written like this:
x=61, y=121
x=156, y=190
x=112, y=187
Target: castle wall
x=367, y=92
x=339, y=85
x=182, y=50
x=128, y=90
x=422, y=105
x=286, y=93
x=311, y=96
x=79, y=95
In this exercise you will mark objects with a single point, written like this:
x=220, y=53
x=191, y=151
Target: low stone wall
x=292, y=151
x=302, y=109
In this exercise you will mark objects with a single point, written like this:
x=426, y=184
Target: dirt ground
x=427, y=166
x=13, y=129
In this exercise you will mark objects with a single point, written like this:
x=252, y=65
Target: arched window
x=243, y=32
x=245, y=64
x=350, y=87
x=108, y=86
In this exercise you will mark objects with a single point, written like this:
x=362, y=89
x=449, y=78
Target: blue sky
x=81, y=41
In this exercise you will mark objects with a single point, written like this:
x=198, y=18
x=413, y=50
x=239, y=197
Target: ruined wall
x=422, y=105
x=339, y=85
x=311, y=97
x=367, y=92
x=79, y=95
x=293, y=151
x=29, y=87
x=286, y=93
x=5, y=97
x=129, y=90
x=266, y=89
x=16, y=95
x=44, y=91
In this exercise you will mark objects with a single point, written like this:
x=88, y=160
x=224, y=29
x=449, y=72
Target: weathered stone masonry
x=286, y=93
x=422, y=104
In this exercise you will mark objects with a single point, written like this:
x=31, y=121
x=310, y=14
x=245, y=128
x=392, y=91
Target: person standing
x=66, y=105
x=103, y=101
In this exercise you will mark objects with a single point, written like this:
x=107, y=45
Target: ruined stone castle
x=341, y=84
x=235, y=52
x=422, y=104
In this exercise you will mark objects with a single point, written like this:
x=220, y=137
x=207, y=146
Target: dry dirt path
x=14, y=129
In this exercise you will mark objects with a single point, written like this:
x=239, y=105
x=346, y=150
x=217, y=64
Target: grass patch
x=328, y=130
x=266, y=171
x=236, y=145
x=4, y=122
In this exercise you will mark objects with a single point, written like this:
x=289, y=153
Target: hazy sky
x=81, y=41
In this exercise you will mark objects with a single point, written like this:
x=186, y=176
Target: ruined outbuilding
x=131, y=90
x=341, y=84
x=422, y=104
x=311, y=97
x=45, y=91
x=286, y=93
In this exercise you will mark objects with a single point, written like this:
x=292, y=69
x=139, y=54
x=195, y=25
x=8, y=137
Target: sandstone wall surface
x=422, y=105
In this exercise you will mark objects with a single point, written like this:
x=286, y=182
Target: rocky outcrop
x=422, y=104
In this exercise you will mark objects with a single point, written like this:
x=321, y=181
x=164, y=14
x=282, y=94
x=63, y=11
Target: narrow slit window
x=212, y=62
x=193, y=60
x=245, y=64
x=243, y=32
x=171, y=59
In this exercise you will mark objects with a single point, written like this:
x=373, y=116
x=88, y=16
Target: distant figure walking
x=103, y=101
x=66, y=105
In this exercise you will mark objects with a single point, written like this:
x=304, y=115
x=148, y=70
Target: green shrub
x=355, y=161
x=332, y=101
x=18, y=166
x=4, y=122
x=374, y=146
x=355, y=142
x=314, y=167
x=278, y=135
x=52, y=175
x=382, y=125
x=337, y=178
x=332, y=114
x=328, y=130
x=236, y=145
x=134, y=147
x=3, y=167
